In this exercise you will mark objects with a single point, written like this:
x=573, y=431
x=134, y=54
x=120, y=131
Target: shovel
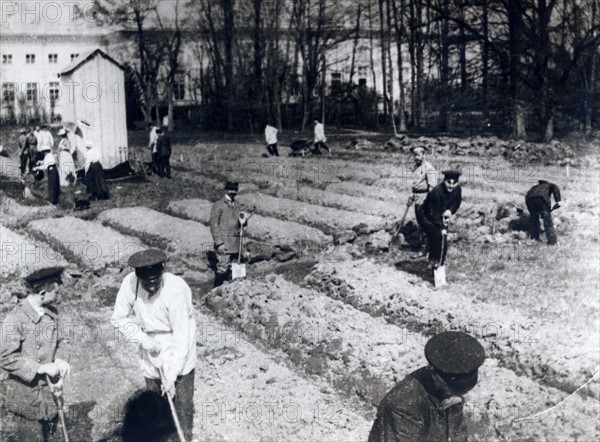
x=238, y=270
x=439, y=273
x=396, y=241
x=60, y=405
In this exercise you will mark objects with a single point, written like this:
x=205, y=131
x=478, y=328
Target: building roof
x=84, y=58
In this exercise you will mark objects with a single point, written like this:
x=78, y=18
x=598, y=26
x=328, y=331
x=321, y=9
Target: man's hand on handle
x=150, y=345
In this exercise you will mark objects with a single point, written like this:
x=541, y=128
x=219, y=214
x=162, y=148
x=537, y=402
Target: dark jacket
x=412, y=411
x=438, y=201
x=224, y=224
x=544, y=190
x=23, y=144
x=163, y=145
x=27, y=342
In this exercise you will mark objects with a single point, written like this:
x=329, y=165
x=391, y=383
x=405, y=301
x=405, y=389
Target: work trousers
x=437, y=244
x=272, y=149
x=538, y=207
x=27, y=158
x=223, y=267
x=318, y=146
x=164, y=166
x=184, y=407
x=16, y=428
x=53, y=185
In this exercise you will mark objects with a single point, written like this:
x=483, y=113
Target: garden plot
x=183, y=237
x=555, y=354
x=244, y=394
x=89, y=244
x=324, y=218
x=366, y=191
x=338, y=201
x=21, y=255
x=267, y=229
x=359, y=354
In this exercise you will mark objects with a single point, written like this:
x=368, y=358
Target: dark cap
x=451, y=174
x=148, y=262
x=229, y=185
x=456, y=356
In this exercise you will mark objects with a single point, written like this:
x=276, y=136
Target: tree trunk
x=399, y=27
x=383, y=59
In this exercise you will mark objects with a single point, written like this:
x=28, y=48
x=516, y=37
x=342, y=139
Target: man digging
x=166, y=331
x=226, y=219
x=538, y=201
x=434, y=215
x=427, y=405
x=424, y=180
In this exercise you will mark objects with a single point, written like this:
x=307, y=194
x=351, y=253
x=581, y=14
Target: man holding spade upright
x=441, y=203
x=165, y=329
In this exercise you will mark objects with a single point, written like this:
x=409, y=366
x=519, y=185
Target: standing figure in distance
x=538, y=203
x=163, y=149
x=66, y=164
x=225, y=223
x=48, y=164
x=319, y=138
x=271, y=139
x=94, y=174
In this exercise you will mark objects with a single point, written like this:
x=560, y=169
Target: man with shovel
x=165, y=329
x=226, y=222
x=28, y=345
x=425, y=178
x=434, y=215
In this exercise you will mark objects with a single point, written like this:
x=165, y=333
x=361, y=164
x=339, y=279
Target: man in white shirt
x=164, y=327
x=271, y=138
x=152, y=146
x=319, y=138
x=45, y=140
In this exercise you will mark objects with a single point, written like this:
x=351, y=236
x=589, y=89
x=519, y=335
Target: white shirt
x=153, y=138
x=320, y=133
x=271, y=134
x=45, y=140
x=92, y=155
x=167, y=317
x=49, y=160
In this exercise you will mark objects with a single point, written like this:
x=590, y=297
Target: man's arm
x=457, y=195
x=555, y=192
x=432, y=209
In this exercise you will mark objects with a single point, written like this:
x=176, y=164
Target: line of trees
x=522, y=66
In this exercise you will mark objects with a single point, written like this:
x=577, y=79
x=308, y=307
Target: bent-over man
x=165, y=328
x=538, y=203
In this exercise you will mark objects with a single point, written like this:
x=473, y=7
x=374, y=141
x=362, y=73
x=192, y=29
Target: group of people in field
x=60, y=163
x=426, y=405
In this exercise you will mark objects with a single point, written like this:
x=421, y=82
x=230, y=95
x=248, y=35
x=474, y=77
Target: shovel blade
x=439, y=276
x=238, y=271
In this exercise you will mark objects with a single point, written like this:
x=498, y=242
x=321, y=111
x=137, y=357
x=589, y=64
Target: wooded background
x=525, y=68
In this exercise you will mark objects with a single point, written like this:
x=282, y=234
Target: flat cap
x=417, y=149
x=62, y=132
x=451, y=174
x=147, y=258
x=229, y=185
x=23, y=131
x=454, y=353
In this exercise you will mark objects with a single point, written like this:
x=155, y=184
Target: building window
x=74, y=56
x=54, y=91
x=6, y=58
x=29, y=58
x=52, y=58
x=8, y=92
x=32, y=92
x=179, y=87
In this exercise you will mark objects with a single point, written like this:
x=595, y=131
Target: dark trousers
x=25, y=158
x=437, y=244
x=222, y=267
x=318, y=146
x=422, y=234
x=164, y=165
x=538, y=207
x=272, y=149
x=184, y=406
x=53, y=185
x=155, y=160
